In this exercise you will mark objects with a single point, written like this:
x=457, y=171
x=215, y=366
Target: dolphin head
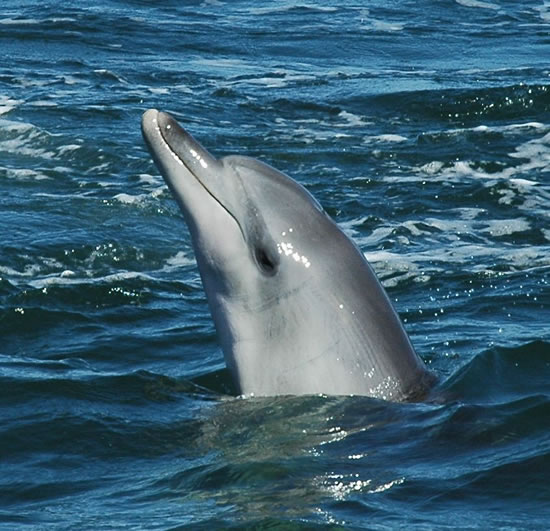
x=278, y=274
x=243, y=215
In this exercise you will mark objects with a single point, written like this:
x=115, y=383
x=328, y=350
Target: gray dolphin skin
x=297, y=308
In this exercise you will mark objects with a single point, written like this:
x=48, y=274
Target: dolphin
x=297, y=308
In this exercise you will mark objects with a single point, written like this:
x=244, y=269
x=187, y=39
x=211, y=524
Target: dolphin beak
x=186, y=166
x=160, y=131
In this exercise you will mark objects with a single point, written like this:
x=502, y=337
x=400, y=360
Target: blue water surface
x=423, y=128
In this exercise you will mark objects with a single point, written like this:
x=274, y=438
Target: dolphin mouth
x=167, y=141
x=180, y=144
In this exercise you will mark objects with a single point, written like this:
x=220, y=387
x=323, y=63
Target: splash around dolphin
x=297, y=308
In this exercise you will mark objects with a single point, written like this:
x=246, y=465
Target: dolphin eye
x=265, y=262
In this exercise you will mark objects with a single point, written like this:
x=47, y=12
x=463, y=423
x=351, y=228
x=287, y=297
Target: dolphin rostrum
x=297, y=308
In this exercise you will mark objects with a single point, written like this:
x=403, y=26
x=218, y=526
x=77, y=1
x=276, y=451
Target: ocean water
x=423, y=128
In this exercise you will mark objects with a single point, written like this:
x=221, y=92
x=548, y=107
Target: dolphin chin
x=297, y=308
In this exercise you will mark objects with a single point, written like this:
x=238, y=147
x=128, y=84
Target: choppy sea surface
x=423, y=128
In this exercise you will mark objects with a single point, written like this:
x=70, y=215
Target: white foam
x=352, y=120
x=478, y=4
x=8, y=104
x=289, y=7
x=381, y=25
x=522, y=183
x=8, y=21
x=544, y=11
x=268, y=82
x=386, y=138
x=27, y=140
x=225, y=64
x=8, y=126
x=371, y=23
x=509, y=129
x=183, y=89
x=533, y=155
x=159, y=90
x=178, y=261
x=130, y=199
x=110, y=73
x=279, y=79
x=61, y=150
x=432, y=168
x=30, y=270
x=71, y=80
x=152, y=180
x=59, y=196
x=43, y=103
x=454, y=248
x=382, y=256
x=20, y=21
x=504, y=128
x=139, y=199
x=24, y=174
x=41, y=272
x=505, y=227
x=65, y=278
x=421, y=265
